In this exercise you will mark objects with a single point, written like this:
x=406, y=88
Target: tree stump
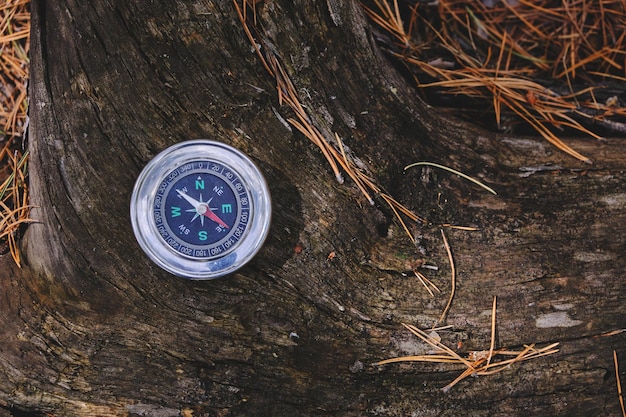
x=91, y=327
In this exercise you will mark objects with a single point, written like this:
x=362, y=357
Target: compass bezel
x=143, y=200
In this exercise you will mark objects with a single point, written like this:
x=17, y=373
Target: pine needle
x=619, y=384
x=444, y=314
x=454, y=171
x=426, y=283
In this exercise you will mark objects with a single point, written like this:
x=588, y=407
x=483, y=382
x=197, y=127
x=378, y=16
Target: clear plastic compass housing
x=200, y=209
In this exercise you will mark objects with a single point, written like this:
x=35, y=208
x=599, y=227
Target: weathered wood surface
x=91, y=327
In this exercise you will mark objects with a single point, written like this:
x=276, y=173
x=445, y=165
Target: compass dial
x=200, y=209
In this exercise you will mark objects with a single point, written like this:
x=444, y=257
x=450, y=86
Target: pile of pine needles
x=555, y=66
x=476, y=363
x=14, y=45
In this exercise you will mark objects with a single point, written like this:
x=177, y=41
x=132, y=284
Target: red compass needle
x=208, y=213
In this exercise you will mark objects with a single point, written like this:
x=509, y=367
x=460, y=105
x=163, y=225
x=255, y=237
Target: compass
x=200, y=209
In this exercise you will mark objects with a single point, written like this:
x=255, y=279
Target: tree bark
x=91, y=327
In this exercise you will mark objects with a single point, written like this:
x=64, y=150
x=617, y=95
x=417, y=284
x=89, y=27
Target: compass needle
x=213, y=216
x=195, y=203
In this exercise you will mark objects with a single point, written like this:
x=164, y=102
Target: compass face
x=200, y=209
